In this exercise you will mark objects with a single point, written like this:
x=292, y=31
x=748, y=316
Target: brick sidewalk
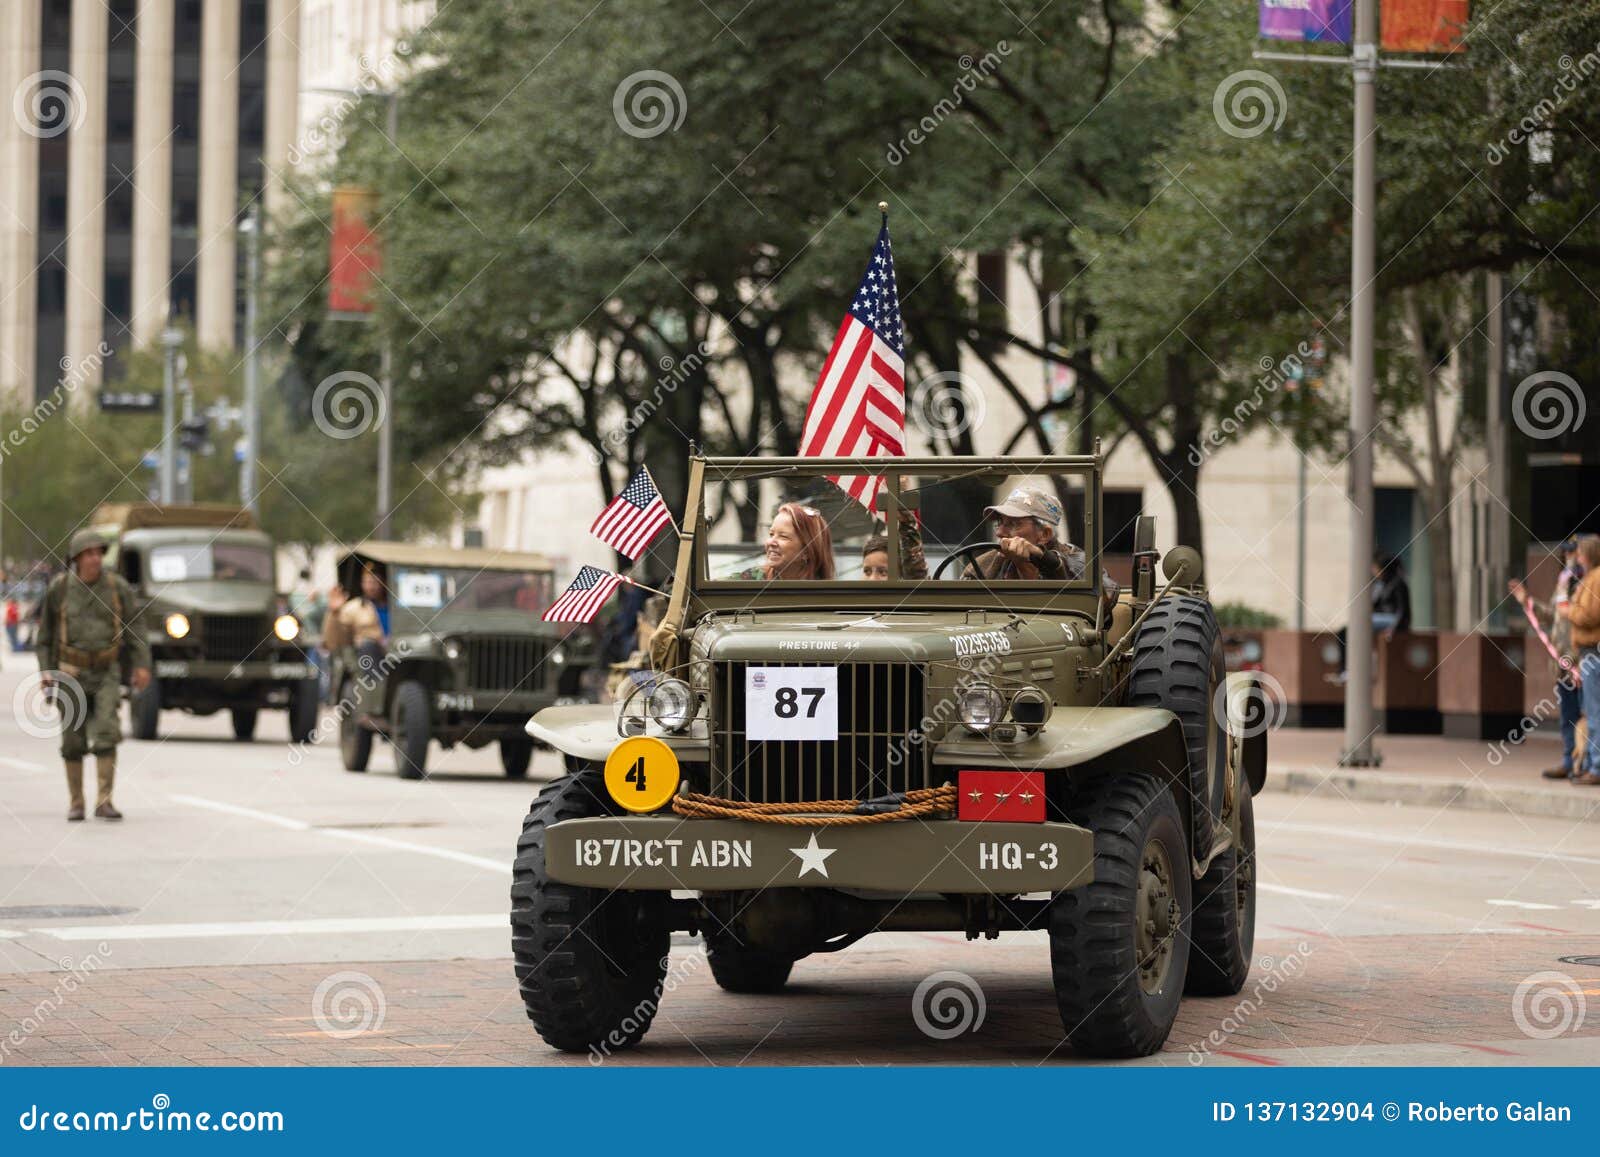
x=855, y=1007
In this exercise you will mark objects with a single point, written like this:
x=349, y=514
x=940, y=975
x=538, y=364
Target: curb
x=1570, y=803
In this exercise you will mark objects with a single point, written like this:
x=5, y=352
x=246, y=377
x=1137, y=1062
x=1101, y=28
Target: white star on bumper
x=812, y=857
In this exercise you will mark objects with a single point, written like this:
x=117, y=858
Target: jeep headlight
x=452, y=649
x=671, y=704
x=177, y=625
x=558, y=657
x=981, y=707
x=287, y=628
x=1030, y=708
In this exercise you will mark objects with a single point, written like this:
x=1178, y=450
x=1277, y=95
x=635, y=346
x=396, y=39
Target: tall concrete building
x=133, y=134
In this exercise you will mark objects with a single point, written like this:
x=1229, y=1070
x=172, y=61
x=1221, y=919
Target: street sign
x=130, y=402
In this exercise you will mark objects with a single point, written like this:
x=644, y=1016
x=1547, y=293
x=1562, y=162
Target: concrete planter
x=1481, y=684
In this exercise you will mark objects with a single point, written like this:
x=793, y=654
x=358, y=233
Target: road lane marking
x=1302, y=893
x=329, y=926
x=1529, y=904
x=1484, y=849
x=250, y=813
x=8, y=934
x=22, y=764
x=500, y=866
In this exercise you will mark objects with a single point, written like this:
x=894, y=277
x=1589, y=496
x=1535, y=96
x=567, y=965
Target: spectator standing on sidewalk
x=1584, y=614
x=1551, y=619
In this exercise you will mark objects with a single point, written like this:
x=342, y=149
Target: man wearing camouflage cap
x=1025, y=526
x=88, y=630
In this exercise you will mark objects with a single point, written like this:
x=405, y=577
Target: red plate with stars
x=1004, y=796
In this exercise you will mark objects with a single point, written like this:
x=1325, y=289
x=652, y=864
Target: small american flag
x=581, y=601
x=859, y=405
x=633, y=518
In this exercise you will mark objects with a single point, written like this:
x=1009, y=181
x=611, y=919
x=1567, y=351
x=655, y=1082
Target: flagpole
x=883, y=207
x=643, y=587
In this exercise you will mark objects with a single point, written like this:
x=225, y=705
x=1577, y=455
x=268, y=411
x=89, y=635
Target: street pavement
x=260, y=905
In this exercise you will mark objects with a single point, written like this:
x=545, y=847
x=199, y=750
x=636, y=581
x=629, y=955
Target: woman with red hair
x=799, y=546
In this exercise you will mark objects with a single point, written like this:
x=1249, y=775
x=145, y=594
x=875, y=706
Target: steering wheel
x=974, y=550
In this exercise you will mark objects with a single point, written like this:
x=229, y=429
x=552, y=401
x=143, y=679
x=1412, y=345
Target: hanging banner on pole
x=1322, y=20
x=354, y=257
x=1422, y=25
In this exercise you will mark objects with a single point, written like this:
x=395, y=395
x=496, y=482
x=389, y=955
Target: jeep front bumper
x=249, y=671
x=662, y=853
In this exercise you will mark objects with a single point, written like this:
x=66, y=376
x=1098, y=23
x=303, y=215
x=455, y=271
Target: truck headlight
x=177, y=625
x=558, y=657
x=671, y=704
x=287, y=628
x=1030, y=708
x=981, y=707
x=452, y=649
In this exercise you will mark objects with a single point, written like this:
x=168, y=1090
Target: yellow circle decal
x=642, y=774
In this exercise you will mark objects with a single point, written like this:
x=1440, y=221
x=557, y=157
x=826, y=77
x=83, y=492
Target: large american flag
x=582, y=600
x=859, y=406
x=633, y=518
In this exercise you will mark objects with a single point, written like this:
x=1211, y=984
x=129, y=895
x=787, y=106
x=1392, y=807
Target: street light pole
x=386, y=372
x=171, y=340
x=1358, y=715
x=251, y=228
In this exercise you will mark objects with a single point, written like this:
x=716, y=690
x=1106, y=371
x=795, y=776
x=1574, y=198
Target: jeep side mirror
x=1182, y=566
x=1144, y=558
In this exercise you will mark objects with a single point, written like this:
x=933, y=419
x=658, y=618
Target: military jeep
x=811, y=761
x=467, y=659
x=204, y=577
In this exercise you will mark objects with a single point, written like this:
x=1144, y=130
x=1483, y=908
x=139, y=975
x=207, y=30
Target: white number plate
x=791, y=703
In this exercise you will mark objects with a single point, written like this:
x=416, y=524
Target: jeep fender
x=1250, y=716
x=589, y=731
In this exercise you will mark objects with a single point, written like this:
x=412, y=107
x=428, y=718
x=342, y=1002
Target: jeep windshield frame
x=903, y=478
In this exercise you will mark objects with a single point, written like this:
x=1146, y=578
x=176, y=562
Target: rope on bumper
x=917, y=804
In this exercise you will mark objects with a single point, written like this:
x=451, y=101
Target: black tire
x=590, y=962
x=412, y=731
x=244, y=723
x=1223, y=931
x=737, y=968
x=144, y=710
x=1119, y=998
x=304, y=706
x=516, y=752
x=355, y=741
x=1178, y=664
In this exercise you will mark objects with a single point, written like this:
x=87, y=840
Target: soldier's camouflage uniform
x=87, y=634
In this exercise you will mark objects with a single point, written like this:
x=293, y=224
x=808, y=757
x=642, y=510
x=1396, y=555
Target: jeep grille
x=235, y=637
x=511, y=663
x=880, y=705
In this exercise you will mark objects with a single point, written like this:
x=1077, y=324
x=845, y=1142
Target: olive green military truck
x=813, y=760
x=466, y=658
x=208, y=600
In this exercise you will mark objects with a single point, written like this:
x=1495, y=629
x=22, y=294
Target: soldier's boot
x=106, y=768
x=74, y=789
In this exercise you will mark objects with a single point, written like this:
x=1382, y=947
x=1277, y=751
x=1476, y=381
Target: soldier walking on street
x=88, y=632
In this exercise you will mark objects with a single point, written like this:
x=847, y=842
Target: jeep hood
x=215, y=597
